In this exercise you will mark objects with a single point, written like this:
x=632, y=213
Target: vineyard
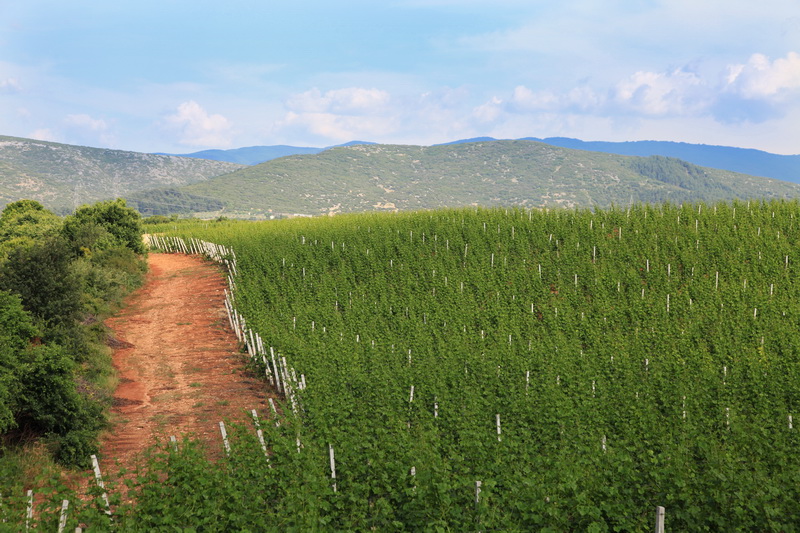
x=502, y=369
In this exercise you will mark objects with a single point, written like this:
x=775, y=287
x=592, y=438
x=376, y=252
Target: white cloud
x=627, y=105
x=10, y=86
x=87, y=122
x=337, y=128
x=662, y=93
x=195, y=127
x=44, y=134
x=340, y=115
x=489, y=112
x=762, y=78
x=86, y=130
x=348, y=101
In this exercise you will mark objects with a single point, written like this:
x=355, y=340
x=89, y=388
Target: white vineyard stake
x=275, y=367
x=274, y=412
x=225, y=442
x=29, y=512
x=62, y=521
x=660, y=519
x=333, y=467
x=99, y=479
x=260, y=434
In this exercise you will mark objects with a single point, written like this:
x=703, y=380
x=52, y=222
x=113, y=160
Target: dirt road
x=179, y=367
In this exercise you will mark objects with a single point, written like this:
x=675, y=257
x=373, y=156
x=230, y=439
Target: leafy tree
x=42, y=276
x=24, y=222
x=16, y=331
x=121, y=222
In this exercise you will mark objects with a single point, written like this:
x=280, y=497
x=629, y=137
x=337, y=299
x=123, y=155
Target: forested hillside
x=497, y=173
x=63, y=177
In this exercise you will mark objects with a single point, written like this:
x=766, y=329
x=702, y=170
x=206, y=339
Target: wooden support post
x=275, y=367
x=225, y=438
x=260, y=433
x=29, y=512
x=99, y=479
x=660, y=519
x=274, y=412
x=333, y=467
x=62, y=520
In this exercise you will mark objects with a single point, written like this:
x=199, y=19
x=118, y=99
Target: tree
x=24, y=222
x=121, y=222
x=16, y=332
x=42, y=275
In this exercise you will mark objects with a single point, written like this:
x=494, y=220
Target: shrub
x=75, y=448
x=41, y=275
x=121, y=222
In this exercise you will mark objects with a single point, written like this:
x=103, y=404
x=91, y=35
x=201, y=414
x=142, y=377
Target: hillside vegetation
x=510, y=173
x=58, y=278
x=63, y=177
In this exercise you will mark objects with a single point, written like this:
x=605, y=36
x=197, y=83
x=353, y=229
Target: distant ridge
x=472, y=140
x=509, y=173
x=250, y=155
x=744, y=160
x=253, y=155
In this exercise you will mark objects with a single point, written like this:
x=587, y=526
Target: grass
x=167, y=396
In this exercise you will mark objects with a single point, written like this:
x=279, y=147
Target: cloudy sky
x=180, y=76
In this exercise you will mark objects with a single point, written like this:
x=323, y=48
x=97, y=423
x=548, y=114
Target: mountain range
x=366, y=176
x=253, y=155
x=744, y=160
x=520, y=173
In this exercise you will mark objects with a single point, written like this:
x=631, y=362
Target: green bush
x=42, y=276
x=16, y=330
x=25, y=222
x=75, y=448
x=122, y=223
x=49, y=401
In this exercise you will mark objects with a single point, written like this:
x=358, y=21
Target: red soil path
x=179, y=366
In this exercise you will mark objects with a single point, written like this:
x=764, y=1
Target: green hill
x=522, y=173
x=62, y=176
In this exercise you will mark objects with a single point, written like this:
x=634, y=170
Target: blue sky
x=179, y=76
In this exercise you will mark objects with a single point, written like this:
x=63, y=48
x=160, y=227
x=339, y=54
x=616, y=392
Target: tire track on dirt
x=178, y=362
